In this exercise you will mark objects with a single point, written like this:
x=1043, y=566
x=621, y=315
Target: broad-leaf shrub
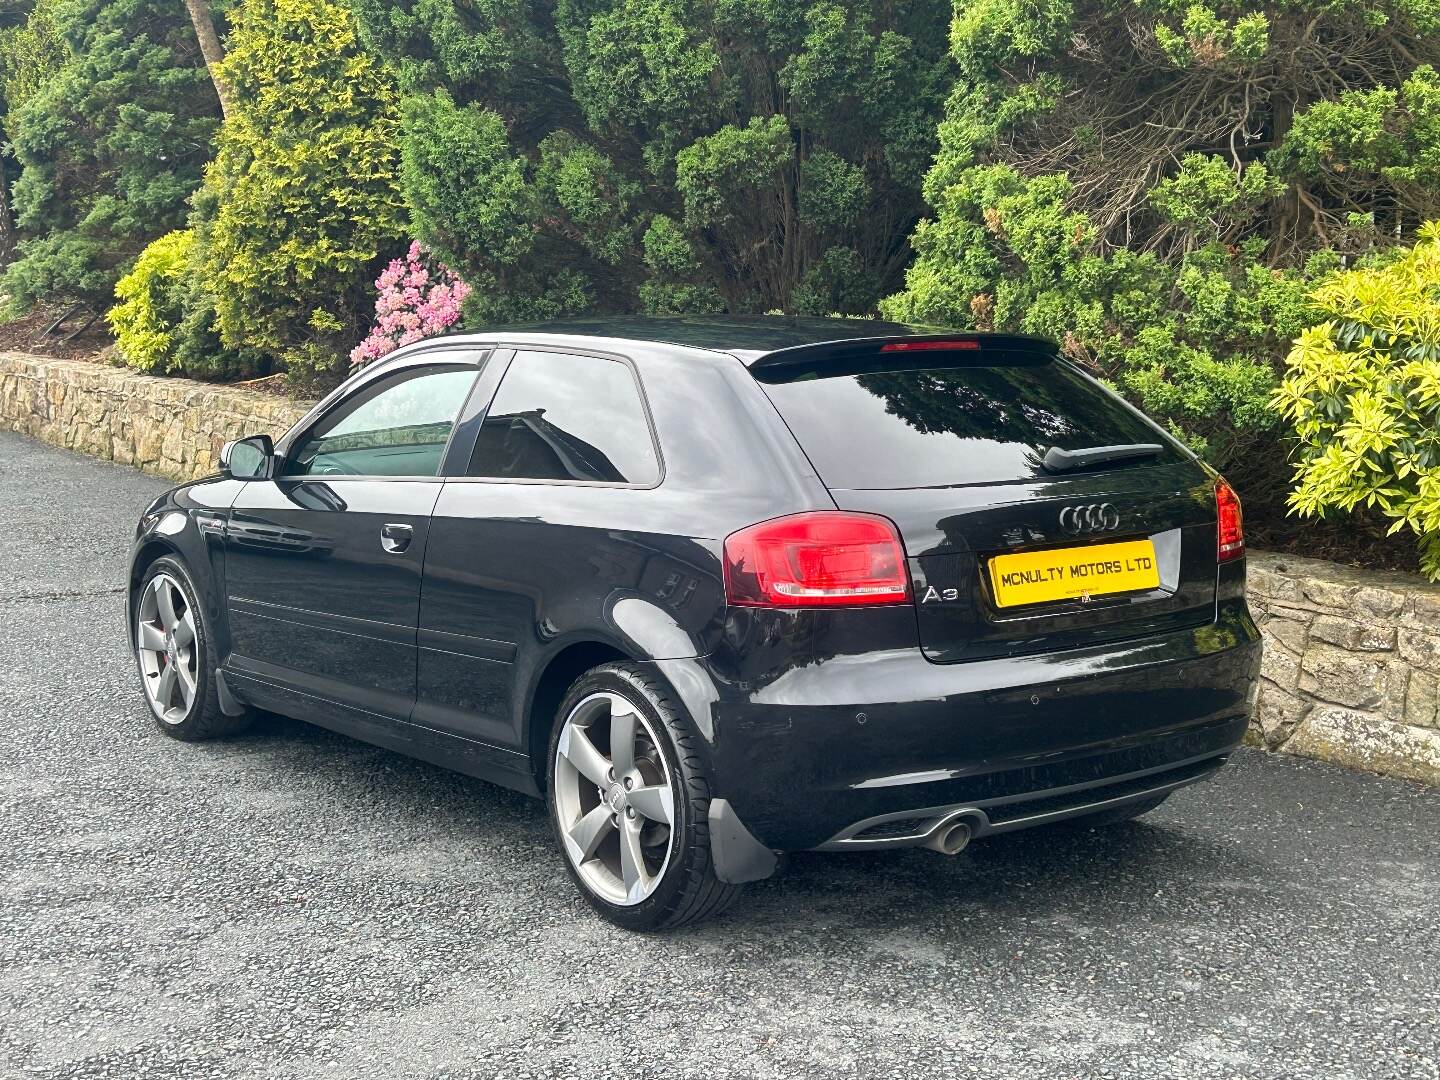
x=1362, y=391
x=419, y=297
x=149, y=310
x=164, y=322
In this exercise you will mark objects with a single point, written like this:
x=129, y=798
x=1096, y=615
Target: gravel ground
x=296, y=904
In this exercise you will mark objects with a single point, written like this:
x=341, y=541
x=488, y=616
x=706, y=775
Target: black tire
x=204, y=719
x=1118, y=815
x=688, y=890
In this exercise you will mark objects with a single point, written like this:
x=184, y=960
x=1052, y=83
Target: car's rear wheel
x=628, y=801
x=176, y=656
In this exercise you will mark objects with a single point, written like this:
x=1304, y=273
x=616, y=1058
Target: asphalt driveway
x=295, y=904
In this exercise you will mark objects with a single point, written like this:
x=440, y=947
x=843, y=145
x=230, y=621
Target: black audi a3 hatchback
x=720, y=589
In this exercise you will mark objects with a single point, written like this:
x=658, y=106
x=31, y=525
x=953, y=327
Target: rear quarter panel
x=515, y=571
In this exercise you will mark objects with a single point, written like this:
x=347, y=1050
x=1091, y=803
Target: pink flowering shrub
x=418, y=297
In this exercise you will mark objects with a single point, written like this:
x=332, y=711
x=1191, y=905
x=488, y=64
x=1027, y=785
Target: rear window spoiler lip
x=817, y=353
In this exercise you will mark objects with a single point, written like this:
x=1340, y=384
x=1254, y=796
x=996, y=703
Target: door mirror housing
x=252, y=458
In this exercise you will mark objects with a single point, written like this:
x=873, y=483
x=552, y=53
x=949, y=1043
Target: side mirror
x=249, y=459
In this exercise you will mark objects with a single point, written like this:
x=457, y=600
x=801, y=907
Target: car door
x=538, y=516
x=323, y=561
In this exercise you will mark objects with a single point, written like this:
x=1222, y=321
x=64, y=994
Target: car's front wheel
x=628, y=801
x=176, y=656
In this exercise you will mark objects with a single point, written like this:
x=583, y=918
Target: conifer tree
x=301, y=205
x=111, y=147
x=1158, y=184
x=666, y=155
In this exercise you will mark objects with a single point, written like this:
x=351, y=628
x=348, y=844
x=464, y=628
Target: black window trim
x=477, y=357
x=515, y=348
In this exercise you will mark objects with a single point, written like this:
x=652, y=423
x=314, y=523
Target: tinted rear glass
x=941, y=426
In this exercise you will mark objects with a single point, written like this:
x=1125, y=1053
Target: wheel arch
x=190, y=549
x=557, y=676
x=145, y=557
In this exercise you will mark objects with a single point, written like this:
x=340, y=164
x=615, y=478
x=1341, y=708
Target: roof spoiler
x=891, y=352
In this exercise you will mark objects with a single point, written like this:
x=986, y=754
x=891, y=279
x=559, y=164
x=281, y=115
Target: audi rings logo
x=1090, y=518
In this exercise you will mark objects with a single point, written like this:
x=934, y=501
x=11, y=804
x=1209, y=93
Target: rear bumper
x=987, y=817
x=875, y=749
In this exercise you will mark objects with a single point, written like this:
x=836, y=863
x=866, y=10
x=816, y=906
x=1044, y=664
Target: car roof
x=746, y=337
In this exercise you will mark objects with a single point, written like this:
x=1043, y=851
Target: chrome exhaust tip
x=949, y=837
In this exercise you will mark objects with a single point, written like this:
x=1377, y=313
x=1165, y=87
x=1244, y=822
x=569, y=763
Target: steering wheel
x=331, y=467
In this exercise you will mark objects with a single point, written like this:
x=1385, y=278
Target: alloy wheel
x=166, y=646
x=613, y=799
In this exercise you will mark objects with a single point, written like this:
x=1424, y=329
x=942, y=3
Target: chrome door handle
x=396, y=538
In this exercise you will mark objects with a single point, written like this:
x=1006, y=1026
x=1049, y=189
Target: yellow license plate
x=1035, y=577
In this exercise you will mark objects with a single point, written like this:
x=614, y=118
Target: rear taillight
x=1229, y=529
x=828, y=558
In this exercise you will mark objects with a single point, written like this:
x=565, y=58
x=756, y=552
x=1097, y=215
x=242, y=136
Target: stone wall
x=172, y=427
x=1352, y=665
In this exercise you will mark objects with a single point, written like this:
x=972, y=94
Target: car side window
x=561, y=416
x=395, y=427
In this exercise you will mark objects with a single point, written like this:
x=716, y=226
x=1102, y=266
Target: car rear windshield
x=977, y=421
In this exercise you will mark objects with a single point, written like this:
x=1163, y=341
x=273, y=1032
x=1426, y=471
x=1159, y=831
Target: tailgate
x=952, y=536
x=1038, y=510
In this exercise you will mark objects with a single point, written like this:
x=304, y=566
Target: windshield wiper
x=1057, y=460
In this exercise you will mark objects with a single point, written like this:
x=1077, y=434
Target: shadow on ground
x=1068, y=870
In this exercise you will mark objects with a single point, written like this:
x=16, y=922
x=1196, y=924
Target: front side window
x=397, y=427
x=559, y=416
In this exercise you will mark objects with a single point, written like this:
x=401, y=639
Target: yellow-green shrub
x=165, y=320
x=1362, y=391
x=149, y=310
x=301, y=199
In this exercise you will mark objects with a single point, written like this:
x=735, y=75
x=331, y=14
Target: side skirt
x=485, y=762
